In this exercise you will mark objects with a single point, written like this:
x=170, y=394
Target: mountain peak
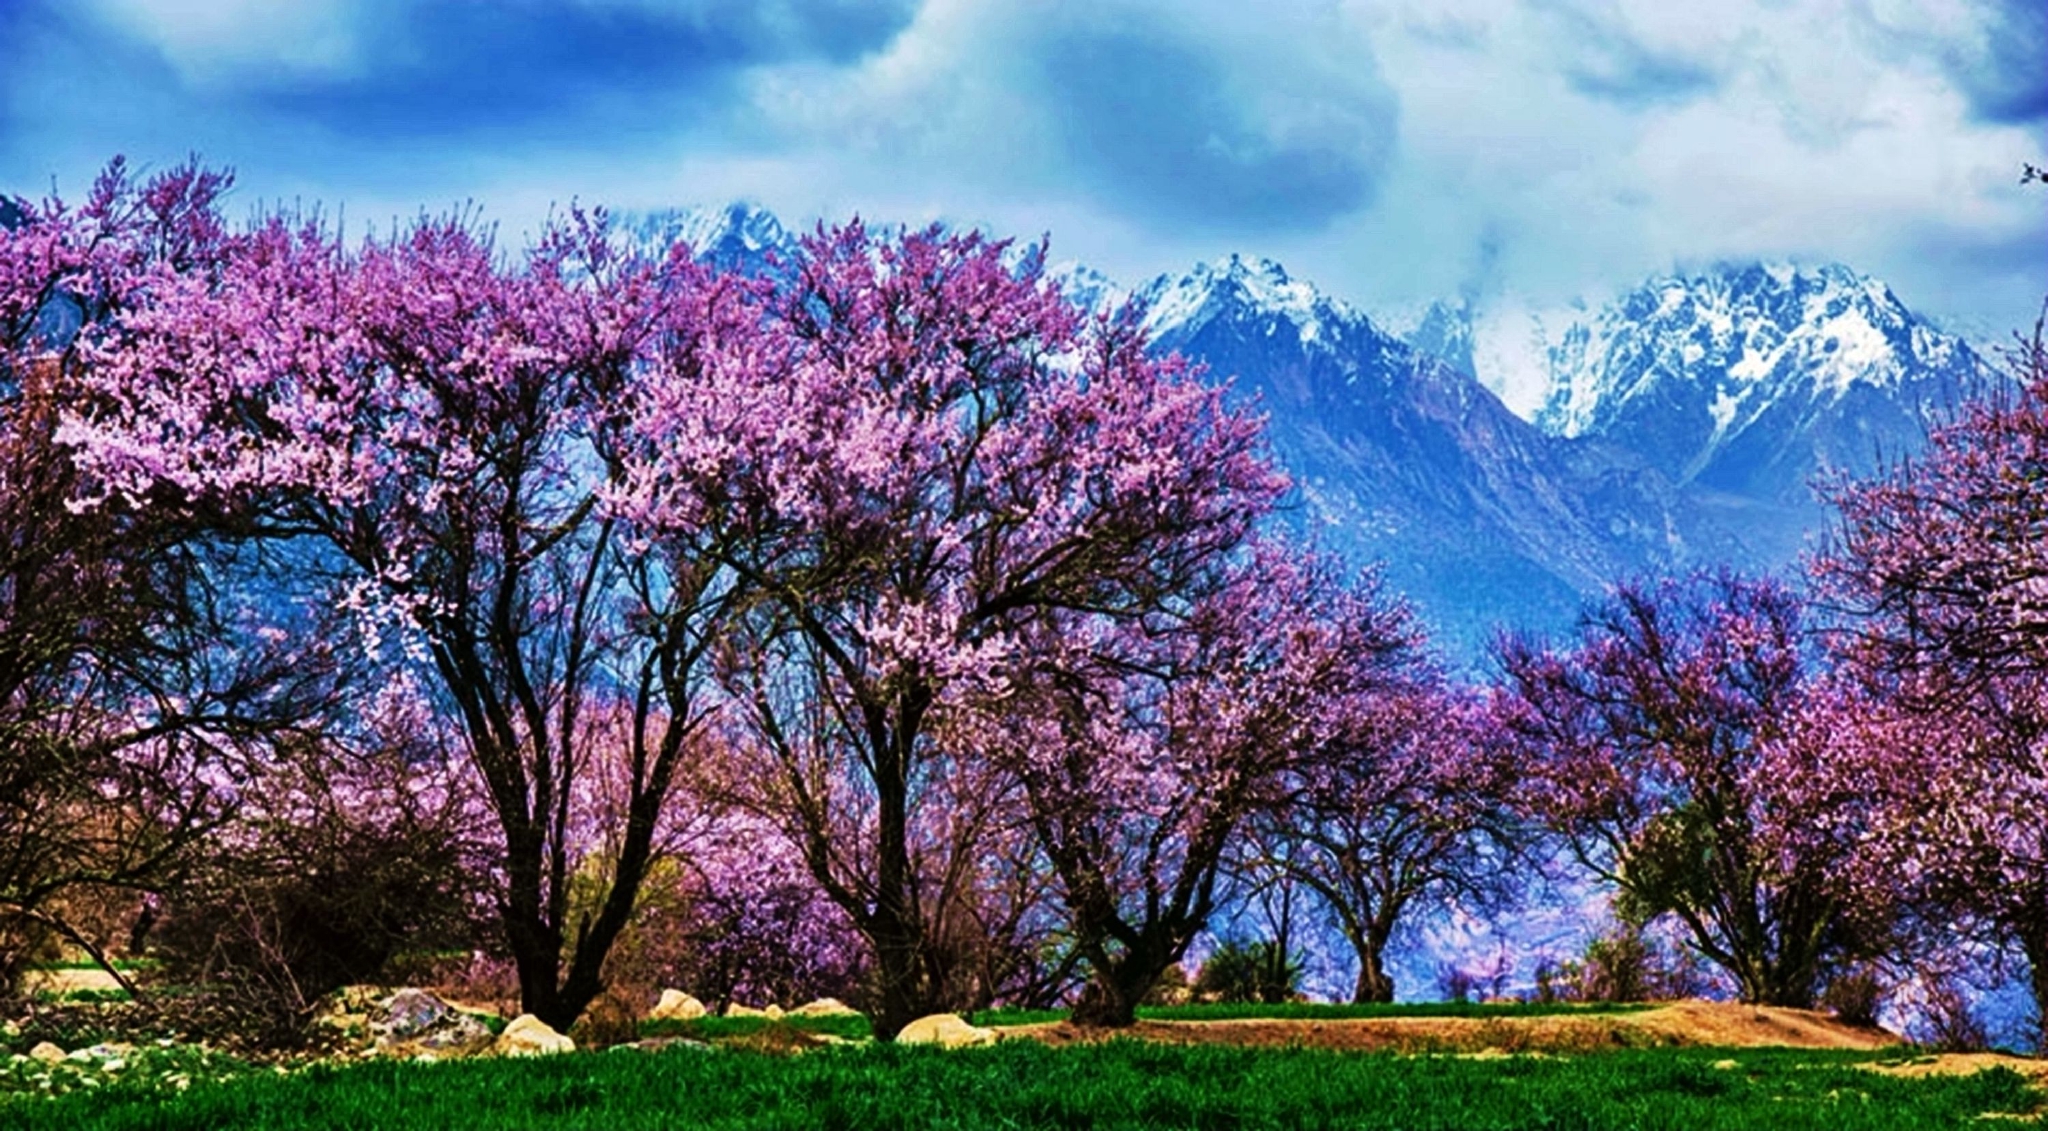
x=739, y=235
x=1244, y=286
x=1703, y=370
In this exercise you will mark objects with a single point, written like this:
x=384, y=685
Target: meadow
x=1022, y=1084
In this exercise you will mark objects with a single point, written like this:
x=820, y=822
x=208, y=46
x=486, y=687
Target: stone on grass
x=675, y=1005
x=825, y=1007
x=414, y=1021
x=411, y=1013
x=946, y=1030
x=528, y=1035
x=735, y=1009
x=46, y=1053
x=773, y=1012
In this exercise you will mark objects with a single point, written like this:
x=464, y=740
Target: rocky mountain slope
x=1685, y=425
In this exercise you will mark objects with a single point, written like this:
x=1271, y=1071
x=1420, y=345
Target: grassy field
x=1318, y=1011
x=856, y=1027
x=1025, y=1085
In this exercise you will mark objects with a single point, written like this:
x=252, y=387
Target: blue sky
x=1522, y=152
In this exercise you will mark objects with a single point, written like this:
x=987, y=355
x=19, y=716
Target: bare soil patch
x=1700, y=1024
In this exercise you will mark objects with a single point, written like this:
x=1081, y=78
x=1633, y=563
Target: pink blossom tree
x=1669, y=745
x=435, y=429
x=1407, y=801
x=1938, y=568
x=928, y=447
x=131, y=688
x=1146, y=745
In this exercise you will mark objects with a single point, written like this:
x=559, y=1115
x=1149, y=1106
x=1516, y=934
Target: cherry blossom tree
x=1938, y=571
x=1668, y=743
x=435, y=429
x=927, y=447
x=132, y=682
x=1940, y=559
x=1146, y=745
x=1409, y=802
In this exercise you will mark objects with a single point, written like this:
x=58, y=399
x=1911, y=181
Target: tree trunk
x=900, y=996
x=1110, y=1000
x=1374, y=983
x=2034, y=944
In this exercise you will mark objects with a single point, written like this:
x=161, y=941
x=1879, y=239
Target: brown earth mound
x=1687, y=1023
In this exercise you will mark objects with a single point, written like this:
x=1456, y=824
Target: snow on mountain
x=1479, y=517
x=1088, y=288
x=1684, y=423
x=1754, y=378
x=739, y=236
x=1186, y=302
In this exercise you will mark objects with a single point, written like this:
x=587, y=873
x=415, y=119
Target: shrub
x=1944, y=1020
x=1242, y=971
x=1172, y=988
x=1618, y=966
x=1622, y=964
x=1855, y=995
x=308, y=908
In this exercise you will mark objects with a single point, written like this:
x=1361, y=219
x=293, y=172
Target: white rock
x=735, y=1009
x=46, y=1053
x=528, y=1035
x=946, y=1030
x=825, y=1007
x=675, y=1005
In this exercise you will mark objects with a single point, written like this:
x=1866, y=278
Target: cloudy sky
x=1521, y=152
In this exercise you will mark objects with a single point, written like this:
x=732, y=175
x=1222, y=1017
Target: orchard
x=884, y=626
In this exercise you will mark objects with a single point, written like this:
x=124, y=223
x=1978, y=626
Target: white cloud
x=1525, y=154
x=216, y=41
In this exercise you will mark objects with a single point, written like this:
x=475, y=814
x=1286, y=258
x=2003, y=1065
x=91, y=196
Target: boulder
x=411, y=1021
x=675, y=1005
x=773, y=1012
x=825, y=1007
x=735, y=1009
x=46, y=1053
x=411, y=1013
x=528, y=1035
x=946, y=1030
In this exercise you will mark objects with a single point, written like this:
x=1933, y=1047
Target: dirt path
x=1688, y=1023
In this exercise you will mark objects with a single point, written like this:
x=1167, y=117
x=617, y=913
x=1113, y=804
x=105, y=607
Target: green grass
x=121, y=964
x=109, y=996
x=1315, y=1011
x=1024, y=1085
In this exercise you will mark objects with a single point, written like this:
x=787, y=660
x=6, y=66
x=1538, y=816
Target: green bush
x=1239, y=971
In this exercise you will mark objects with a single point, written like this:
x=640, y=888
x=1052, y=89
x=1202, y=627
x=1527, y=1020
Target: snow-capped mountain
x=739, y=236
x=1445, y=332
x=1480, y=517
x=1685, y=423
x=1754, y=379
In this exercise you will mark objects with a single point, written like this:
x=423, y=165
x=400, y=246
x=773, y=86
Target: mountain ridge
x=1685, y=422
